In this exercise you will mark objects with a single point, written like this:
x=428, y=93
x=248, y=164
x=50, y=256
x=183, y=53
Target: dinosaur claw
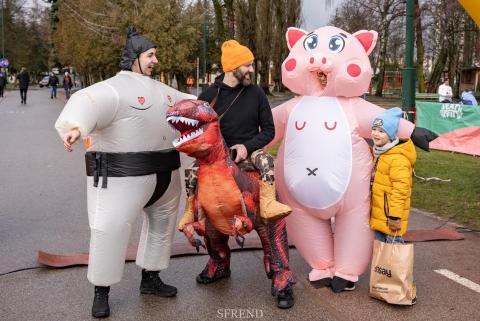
x=197, y=244
x=240, y=240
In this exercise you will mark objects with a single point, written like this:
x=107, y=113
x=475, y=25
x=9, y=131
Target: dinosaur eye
x=310, y=43
x=336, y=44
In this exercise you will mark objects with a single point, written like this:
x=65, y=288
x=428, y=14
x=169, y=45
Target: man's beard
x=241, y=77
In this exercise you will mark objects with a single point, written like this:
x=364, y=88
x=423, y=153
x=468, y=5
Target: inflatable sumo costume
x=324, y=164
x=132, y=167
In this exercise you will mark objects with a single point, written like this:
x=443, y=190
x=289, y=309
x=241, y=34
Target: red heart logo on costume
x=141, y=100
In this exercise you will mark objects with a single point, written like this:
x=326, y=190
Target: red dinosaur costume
x=226, y=200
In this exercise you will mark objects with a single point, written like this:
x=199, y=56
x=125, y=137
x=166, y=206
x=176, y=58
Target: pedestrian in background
x=468, y=98
x=3, y=82
x=53, y=83
x=23, y=81
x=67, y=84
x=445, y=92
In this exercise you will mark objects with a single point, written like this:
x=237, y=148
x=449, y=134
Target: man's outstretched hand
x=421, y=137
x=70, y=138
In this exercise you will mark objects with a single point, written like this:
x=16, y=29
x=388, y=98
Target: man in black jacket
x=23, y=81
x=247, y=126
x=53, y=83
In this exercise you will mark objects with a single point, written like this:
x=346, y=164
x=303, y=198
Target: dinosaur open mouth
x=188, y=128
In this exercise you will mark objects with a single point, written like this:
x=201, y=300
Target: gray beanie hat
x=135, y=45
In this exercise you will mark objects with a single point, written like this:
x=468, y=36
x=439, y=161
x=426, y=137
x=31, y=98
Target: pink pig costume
x=323, y=166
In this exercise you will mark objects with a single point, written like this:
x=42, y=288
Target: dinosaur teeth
x=183, y=120
x=185, y=138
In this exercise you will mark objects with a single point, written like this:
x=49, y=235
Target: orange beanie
x=234, y=55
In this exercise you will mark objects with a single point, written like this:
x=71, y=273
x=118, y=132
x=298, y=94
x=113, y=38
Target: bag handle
x=395, y=236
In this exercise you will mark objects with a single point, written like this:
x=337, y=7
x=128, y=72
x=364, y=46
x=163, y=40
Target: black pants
x=23, y=95
x=1, y=90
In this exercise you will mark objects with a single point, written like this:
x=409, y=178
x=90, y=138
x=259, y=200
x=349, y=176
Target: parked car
x=44, y=81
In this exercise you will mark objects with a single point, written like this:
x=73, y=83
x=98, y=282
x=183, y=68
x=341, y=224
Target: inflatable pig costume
x=324, y=164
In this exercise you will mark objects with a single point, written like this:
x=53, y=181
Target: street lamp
x=204, y=48
x=3, y=34
x=408, y=83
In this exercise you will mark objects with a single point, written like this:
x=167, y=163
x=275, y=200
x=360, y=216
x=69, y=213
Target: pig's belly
x=318, y=152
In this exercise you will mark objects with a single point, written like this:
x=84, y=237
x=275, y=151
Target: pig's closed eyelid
x=300, y=127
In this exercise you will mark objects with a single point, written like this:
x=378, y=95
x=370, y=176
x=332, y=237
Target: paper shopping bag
x=391, y=274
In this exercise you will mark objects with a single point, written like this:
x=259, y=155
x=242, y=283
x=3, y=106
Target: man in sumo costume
x=132, y=168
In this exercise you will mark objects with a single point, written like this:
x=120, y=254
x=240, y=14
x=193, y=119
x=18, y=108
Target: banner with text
x=457, y=126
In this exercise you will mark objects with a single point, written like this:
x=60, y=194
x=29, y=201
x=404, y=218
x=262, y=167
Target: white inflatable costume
x=124, y=118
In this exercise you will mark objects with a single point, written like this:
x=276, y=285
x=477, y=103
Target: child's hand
x=394, y=225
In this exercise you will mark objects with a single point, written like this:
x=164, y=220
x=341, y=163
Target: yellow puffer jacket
x=392, y=187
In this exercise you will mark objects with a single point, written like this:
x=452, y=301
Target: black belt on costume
x=101, y=164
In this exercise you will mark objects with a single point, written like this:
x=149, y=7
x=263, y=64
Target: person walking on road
x=132, y=169
x=53, y=83
x=3, y=83
x=23, y=81
x=67, y=84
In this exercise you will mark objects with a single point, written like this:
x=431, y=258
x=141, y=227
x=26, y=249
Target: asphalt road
x=43, y=206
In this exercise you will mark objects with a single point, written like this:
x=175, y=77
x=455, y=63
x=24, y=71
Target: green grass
x=458, y=199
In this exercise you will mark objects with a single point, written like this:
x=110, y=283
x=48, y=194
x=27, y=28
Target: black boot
x=285, y=298
x=339, y=284
x=152, y=284
x=220, y=273
x=100, y=308
x=322, y=283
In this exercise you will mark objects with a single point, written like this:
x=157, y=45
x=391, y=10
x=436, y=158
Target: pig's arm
x=280, y=118
x=365, y=112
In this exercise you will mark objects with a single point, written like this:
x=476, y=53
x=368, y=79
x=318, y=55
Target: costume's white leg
x=158, y=228
x=111, y=213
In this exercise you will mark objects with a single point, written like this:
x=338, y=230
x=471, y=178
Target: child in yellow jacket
x=391, y=181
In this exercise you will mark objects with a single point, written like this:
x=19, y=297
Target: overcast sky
x=315, y=15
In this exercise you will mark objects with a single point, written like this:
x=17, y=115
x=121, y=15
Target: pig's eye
x=310, y=43
x=336, y=44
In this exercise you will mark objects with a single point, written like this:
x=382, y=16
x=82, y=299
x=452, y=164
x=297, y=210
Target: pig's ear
x=368, y=39
x=293, y=35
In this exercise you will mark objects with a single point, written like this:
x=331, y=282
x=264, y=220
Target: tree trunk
x=381, y=60
x=279, y=46
x=230, y=10
x=420, y=48
x=181, y=81
x=219, y=20
x=468, y=47
x=439, y=65
x=264, y=37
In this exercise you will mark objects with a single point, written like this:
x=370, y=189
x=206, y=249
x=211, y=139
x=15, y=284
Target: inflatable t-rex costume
x=226, y=200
